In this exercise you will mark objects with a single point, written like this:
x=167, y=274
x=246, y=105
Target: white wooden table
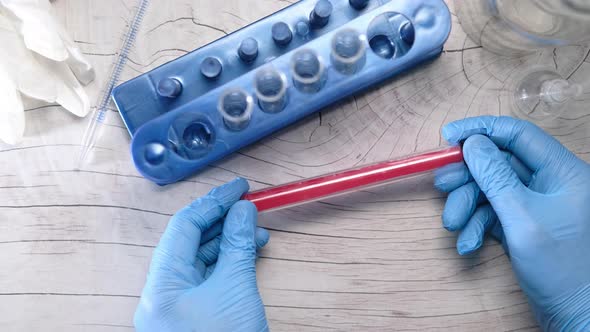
x=75, y=245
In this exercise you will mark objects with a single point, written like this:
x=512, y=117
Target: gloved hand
x=532, y=194
x=203, y=278
x=40, y=60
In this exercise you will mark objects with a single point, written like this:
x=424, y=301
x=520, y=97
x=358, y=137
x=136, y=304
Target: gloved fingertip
x=470, y=240
x=451, y=133
x=262, y=237
x=460, y=206
x=449, y=222
x=239, y=230
x=229, y=193
x=451, y=177
x=468, y=248
x=448, y=218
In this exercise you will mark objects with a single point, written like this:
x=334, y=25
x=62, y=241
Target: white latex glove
x=38, y=59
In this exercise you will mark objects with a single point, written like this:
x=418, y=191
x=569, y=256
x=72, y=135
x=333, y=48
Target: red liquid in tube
x=329, y=185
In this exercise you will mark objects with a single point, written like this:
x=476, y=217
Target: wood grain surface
x=75, y=245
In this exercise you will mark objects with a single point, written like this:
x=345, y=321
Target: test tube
x=348, y=51
x=271, y=89
x=308, y=71
x=235, y=106
x=351, y=180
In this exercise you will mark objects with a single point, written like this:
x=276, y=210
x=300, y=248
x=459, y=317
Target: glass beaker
x=516, y=27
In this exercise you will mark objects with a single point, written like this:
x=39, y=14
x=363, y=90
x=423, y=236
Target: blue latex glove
x=532, y=194
x=203, y=275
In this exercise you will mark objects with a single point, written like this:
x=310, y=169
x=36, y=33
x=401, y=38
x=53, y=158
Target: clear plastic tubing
x=235, y=106
x=271, y=89
x=351, y=180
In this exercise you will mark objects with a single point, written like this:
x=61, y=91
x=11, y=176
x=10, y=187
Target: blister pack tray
x=226, y=95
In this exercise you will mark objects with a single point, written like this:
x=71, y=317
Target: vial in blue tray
x=348, y=51
x=197, y=139
x=271, y=89
x=235, y=106
x=308, y=71
x=320, y=16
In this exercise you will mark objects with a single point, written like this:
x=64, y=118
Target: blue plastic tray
x=172, y=112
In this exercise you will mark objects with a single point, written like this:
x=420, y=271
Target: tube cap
x=211, y=67
x=282, y=34
x=248, y=50
x=320, y=16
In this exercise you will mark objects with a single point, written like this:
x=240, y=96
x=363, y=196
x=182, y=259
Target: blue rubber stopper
x=281, y=34
x=169, y=88
x=320, y=16
x=408, y=33
x=248, y=50
x=211, y=67
x=358, y=4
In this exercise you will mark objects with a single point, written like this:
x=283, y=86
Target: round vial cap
x=321, y=13
x=302, y=28
x=358, y=4
x=155, y=153
x=281, y=34
x=248, y=50
x=211, y=67
x=169, y=88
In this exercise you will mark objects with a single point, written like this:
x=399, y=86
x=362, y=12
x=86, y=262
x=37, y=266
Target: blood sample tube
x=338, y=183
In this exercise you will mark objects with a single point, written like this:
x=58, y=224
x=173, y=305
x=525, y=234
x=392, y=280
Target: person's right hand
x=532, y=194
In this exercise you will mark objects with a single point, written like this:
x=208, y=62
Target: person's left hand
x=203, y=274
